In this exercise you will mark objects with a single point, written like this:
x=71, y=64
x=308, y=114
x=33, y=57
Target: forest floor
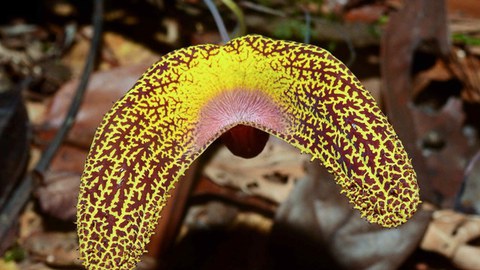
x=232, y=207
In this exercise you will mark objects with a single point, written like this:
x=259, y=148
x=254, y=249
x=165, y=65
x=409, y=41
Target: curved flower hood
x=297, y=92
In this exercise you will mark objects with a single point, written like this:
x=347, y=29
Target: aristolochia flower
x=251, y=85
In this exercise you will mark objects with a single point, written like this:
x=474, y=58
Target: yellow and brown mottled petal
x=299, y=93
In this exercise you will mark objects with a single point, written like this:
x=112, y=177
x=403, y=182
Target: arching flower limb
x=299, y=93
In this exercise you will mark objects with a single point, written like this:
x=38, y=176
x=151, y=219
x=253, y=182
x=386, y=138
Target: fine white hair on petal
x=237, y=107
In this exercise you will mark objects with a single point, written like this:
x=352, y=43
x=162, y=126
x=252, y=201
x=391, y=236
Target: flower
x=253, y=84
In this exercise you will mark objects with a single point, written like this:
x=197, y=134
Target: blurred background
x=420, y=59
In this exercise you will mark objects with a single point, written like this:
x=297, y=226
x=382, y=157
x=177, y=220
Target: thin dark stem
x=218, y=20
x=67, y=124
x=263, y=9
x=308, y=26
x=241, y=25
x=351, y=50
x=22, y=193
x=459, y=206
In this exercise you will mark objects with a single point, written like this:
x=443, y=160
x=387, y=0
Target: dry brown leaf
x=59, y=190
x=446, y=162
x=30, y=223
x=54, y=248
x=104, y=88
x=127, y=52
x=271, y=174
x=470, y=8
x=59, y=197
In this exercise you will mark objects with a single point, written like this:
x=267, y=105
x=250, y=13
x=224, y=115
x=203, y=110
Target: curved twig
x=24, y=190
x=218, y=20
x=67, y=124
